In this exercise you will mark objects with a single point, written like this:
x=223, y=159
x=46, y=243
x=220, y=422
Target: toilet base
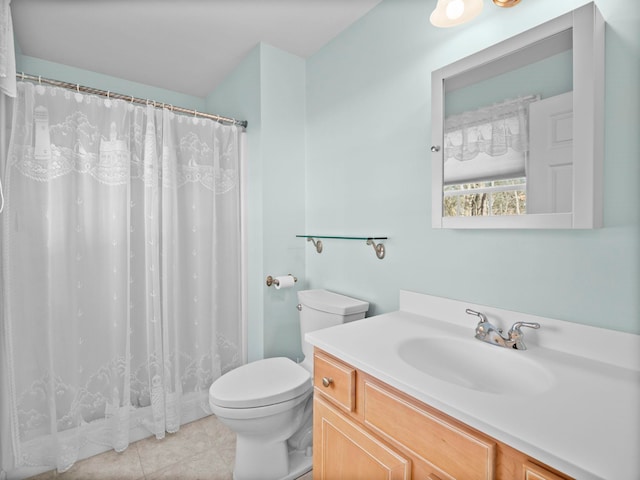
x=276, y=462
x=299, y=464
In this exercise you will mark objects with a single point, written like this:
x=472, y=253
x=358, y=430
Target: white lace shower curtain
x=7, y=51
x=121, y=271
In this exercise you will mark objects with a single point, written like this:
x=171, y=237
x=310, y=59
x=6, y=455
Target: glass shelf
x=341, y=237
x=317, y=242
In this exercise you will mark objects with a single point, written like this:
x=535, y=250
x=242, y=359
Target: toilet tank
x=322, y=309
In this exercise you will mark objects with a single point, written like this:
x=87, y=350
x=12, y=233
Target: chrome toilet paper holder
x=274, y=281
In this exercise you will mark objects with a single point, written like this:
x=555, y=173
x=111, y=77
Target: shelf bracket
x=316, y=243
x=379, y=248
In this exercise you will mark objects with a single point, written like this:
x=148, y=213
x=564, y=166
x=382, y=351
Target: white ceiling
x=187, y=46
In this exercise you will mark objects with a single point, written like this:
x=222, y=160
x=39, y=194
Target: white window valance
x=488, y=143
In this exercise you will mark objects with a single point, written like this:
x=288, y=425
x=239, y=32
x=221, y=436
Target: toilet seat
x=260, y=383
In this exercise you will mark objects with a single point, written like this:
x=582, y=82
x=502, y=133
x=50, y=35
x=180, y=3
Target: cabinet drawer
x=335, y=380
x=531, y=471
x=448, y=451
x=348, y=451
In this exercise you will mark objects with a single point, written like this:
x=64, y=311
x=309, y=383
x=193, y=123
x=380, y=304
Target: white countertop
x=586, y=424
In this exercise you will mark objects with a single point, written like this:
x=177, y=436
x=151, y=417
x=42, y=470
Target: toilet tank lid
x=331, y=302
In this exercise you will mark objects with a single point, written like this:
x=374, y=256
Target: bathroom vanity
x=416, y=441
x=412, y=394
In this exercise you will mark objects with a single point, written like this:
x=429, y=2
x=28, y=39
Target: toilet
x=269, y=403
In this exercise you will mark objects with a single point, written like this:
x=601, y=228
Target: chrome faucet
x=489, y=333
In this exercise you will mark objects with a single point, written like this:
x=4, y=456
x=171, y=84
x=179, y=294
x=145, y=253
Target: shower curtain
x=121, y=271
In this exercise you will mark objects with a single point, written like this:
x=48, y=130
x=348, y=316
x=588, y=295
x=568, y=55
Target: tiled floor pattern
x=201, y=450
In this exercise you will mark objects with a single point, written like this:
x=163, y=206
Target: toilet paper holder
x=274, y=281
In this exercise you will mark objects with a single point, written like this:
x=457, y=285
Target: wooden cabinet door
x=446, y=450
x=345, y=451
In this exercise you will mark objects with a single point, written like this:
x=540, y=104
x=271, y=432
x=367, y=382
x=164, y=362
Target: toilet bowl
x=264, y=403
x=269, y=403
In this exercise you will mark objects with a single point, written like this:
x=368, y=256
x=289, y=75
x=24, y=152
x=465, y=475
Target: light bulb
x=455, y=9
x=449, y=13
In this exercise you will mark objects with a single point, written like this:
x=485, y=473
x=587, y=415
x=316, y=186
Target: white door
x=550, y=163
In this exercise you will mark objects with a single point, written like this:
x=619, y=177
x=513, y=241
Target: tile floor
x=201, y=450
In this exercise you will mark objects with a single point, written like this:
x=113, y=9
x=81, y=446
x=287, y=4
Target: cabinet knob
x=435, y=148
x=326, y=381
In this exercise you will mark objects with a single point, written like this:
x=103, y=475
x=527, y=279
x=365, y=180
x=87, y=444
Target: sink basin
x=475, y=365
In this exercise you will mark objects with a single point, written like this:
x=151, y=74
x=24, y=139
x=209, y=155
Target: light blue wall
x=239, y=96
x=268, y=89
x=368, y=173
x=283, y=156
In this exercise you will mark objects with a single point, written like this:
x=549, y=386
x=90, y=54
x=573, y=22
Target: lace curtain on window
x=487, y=144
x=120, y=251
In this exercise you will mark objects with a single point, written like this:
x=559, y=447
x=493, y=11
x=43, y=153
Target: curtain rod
x=130, y=98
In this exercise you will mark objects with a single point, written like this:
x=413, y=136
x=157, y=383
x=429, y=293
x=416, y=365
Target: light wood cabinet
x=350, y=452
x=337, y=380
x=438, y=444
x=531, y=471
x=364, y=428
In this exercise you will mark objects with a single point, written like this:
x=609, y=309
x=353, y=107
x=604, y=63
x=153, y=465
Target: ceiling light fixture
x=506, y=3
x=449, y=13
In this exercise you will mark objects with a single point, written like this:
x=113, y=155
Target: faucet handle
x=516, y=326
x=482, y=316
x=515, y=334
